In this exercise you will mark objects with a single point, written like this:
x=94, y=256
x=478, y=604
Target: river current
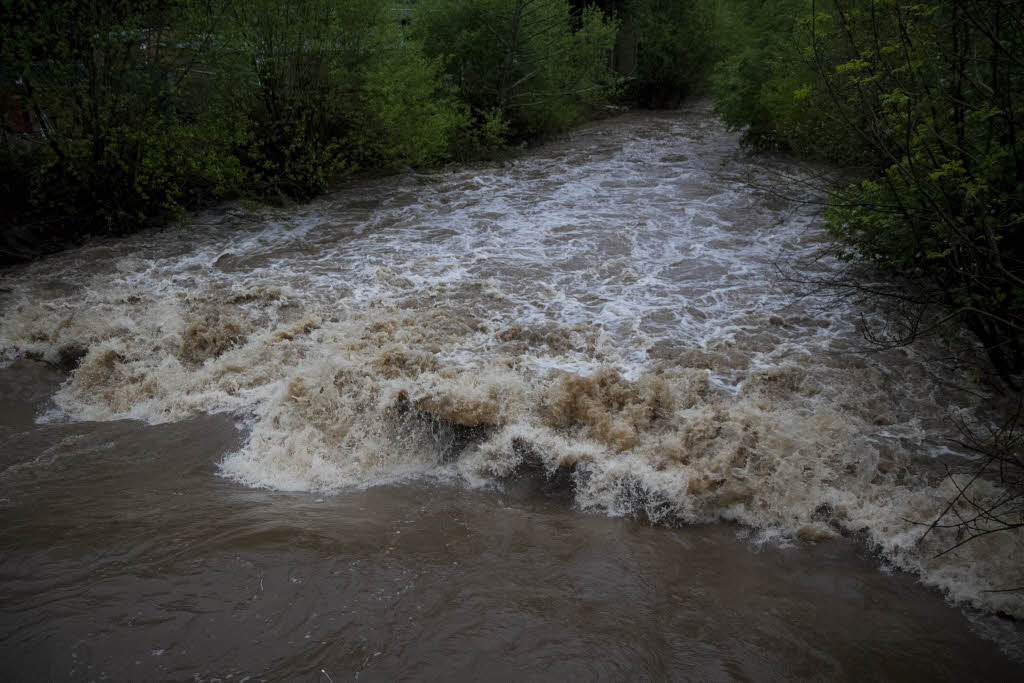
x=548, y=418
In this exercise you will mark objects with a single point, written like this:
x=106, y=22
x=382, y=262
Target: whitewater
x=604, y=311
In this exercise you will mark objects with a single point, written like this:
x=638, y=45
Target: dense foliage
x=518, y=65
x=117, y=113
x=124, y=133
x=329, y=87
x=757, y=81
x=925, y=100
x=675, y=46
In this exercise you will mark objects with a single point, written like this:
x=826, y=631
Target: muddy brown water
x=546, y=419
x=125, y=557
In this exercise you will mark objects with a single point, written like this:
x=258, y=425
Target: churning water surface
x=361, y=437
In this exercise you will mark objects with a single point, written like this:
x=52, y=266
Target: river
x=546, y=418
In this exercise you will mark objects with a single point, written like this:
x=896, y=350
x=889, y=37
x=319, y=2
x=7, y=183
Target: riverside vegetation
x=922, y=102
x=144, y=109
x=133, y=112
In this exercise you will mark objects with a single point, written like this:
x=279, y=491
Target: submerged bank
x=600, y=311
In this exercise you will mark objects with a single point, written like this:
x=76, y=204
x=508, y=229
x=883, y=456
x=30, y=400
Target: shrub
x=520, y=65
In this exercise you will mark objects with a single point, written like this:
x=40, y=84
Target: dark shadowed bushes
x=117, y=133
x=525, y=68
x=926, y=101
x=331, y=87
x=674, y=49
x=117, y=114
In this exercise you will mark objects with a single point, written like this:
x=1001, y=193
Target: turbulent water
x=599, y=315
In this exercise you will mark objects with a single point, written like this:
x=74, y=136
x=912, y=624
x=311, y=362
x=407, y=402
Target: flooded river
x=550, y=418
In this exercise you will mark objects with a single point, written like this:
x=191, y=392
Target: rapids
x=600, y=313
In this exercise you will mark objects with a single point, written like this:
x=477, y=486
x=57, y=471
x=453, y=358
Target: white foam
x=362, y=345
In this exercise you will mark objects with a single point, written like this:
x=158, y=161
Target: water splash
x=599, y=311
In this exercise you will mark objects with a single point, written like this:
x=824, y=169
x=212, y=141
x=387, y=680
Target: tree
x=674, y=49
x=520, y=63
x=923, y=102
x=934, y=91
x=121, y=137
x=335, y=85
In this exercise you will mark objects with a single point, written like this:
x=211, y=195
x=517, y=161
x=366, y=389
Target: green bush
x=107, y=87
x=674, y=49
x=411, y=118
x=521, y=65
x=764, y=84
x=946, y=206
x=925, y=101
x=144, y=109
